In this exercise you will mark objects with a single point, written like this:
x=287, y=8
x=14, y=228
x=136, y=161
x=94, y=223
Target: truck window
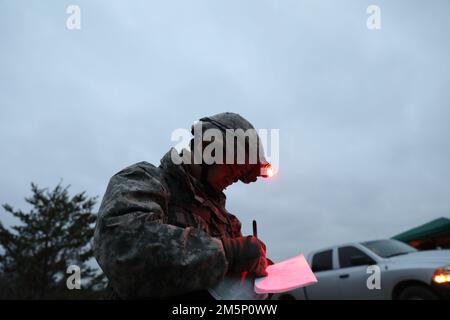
x=322, y=261
x=351, y=257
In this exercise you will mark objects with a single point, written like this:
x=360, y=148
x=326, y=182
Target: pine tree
x=55, y=233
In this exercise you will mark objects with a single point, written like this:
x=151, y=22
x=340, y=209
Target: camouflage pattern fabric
x=158, y=232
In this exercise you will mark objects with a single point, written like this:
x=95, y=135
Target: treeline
x=37, y=252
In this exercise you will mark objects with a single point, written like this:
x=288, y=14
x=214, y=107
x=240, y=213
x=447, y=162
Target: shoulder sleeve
x=142, y=255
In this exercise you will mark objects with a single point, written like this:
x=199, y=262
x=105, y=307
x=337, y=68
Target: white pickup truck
x=404, y=273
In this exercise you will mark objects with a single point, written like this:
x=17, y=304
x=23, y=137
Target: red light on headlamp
x=267, y=170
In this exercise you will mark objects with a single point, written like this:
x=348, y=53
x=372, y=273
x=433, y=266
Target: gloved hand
x=246, y=254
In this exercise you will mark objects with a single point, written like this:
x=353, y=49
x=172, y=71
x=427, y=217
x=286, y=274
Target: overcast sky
x=363, y=114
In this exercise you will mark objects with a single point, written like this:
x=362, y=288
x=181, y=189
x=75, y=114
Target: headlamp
x=264, y=170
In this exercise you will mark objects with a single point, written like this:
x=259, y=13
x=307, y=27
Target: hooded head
x=231, y=150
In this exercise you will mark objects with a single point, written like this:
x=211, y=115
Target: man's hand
x=246, y=254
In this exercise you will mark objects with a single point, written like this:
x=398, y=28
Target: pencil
x=255, y=229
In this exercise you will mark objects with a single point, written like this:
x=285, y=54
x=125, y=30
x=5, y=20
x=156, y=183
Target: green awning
x=426, y=231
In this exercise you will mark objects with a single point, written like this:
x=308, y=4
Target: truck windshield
x=388, y=247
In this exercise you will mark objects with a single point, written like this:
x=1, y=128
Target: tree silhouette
x=54, y=234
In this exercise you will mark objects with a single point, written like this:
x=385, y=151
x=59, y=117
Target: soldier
x=164, y=232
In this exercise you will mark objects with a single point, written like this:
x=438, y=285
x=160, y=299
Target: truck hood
x=435, y=257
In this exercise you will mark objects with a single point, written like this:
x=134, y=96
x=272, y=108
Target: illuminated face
x=220, y=176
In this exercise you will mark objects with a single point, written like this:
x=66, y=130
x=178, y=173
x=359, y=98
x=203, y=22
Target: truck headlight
x=442, y=275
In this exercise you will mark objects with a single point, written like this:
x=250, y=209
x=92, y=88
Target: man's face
x=220, y=176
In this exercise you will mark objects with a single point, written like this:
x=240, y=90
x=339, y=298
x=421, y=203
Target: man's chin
x=218, y=188
x=223, y=187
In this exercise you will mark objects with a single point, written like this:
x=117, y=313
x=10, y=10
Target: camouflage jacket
x=158, y=232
